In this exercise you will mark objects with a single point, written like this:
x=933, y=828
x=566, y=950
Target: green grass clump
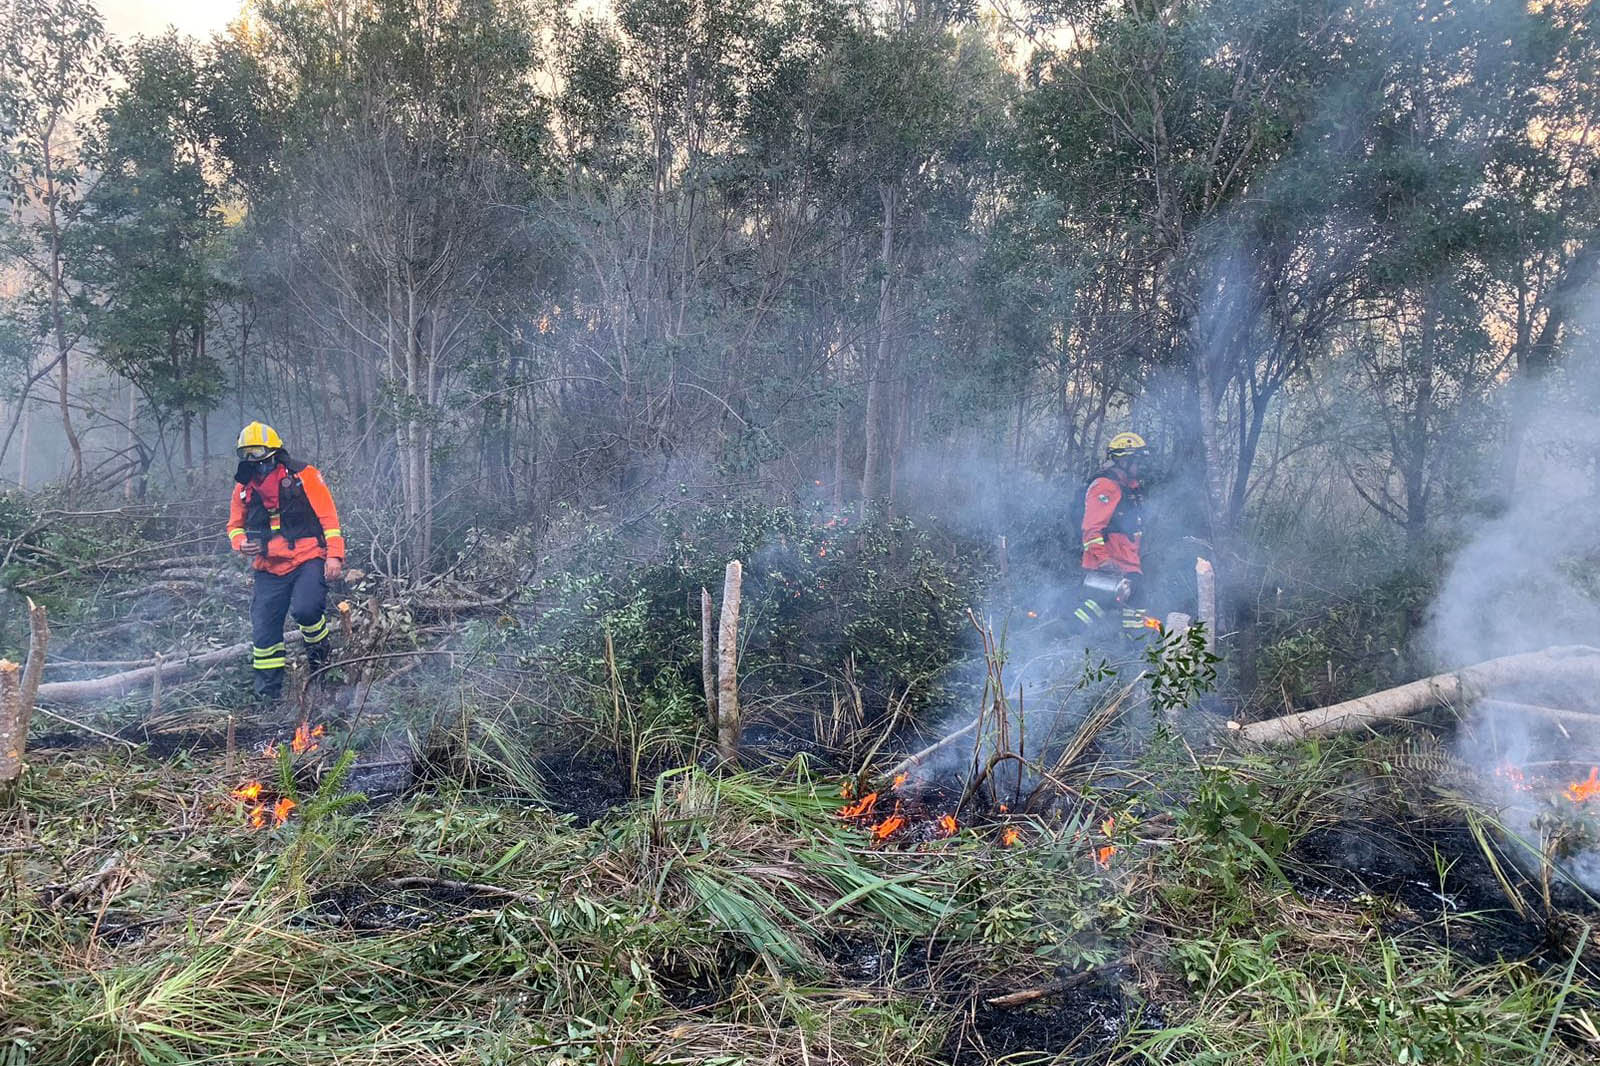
x=724, y=920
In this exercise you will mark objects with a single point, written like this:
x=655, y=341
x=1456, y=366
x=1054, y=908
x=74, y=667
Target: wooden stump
x=708, y=660
x=1205, y=580
x=18, y=689
x=728, y=725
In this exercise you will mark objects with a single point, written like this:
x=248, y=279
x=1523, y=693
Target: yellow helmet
x=257, y=441
x=1125, y=444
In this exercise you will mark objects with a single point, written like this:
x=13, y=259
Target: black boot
x=269, y=685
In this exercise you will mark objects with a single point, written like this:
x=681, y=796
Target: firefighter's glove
x=250, y=547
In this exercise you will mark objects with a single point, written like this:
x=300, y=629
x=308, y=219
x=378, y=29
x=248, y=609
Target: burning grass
x=744, y=918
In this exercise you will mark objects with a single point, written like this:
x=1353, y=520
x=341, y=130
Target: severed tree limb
x=917, y=758
x=1065, y=984
x=464, y=887
x=1459, y=686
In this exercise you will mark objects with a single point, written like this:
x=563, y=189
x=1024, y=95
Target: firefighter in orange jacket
x=1113, y=521
x=282, y=516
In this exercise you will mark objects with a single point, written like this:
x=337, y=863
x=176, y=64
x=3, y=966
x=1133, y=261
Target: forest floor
x=1330, y=903
x=427, y=882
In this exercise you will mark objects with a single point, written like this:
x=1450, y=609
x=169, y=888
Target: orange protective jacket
x=1111, y=521
x=282, y=555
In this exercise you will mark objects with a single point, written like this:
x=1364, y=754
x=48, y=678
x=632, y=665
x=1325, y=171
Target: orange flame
x=258, y=816
x=899, y=779
x=1582, y=791
x=1514, y=776
x=1033, y=614
x=248, y=792
x=947, y=825
x=1011, y=837
x=281, y=809
x=862, y=808
x=888, y=827
x=270, y=751
x=305, y=738
x=1152, y=622
x=848, y=790
x=1102, y=857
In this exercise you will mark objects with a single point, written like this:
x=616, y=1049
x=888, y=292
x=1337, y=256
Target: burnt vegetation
x=708, y=391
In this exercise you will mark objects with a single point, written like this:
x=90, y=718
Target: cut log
x=1576, y=662
x=728, y=664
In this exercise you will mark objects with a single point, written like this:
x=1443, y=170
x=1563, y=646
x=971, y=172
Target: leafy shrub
x=818, y=588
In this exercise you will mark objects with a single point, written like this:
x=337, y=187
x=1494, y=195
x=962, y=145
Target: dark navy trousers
x=301, y=592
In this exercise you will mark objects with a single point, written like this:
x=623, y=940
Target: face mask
x=255, y=471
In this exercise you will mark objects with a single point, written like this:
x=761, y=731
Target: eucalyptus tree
x=151, y=234
x=55, y=63
x=407, y=123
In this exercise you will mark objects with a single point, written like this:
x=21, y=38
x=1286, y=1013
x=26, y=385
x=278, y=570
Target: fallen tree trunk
x=1583, y=719
x=1458, y=686
x=113, y=685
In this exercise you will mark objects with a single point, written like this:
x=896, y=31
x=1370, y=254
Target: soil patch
x=1438, y=878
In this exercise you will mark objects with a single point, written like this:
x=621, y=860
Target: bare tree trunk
x=728, y=724
x=58, y=320
x=872, y=464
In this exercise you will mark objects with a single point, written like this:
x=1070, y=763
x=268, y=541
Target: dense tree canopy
x=504, y=257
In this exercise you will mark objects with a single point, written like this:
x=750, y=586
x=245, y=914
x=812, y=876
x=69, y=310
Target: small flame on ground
x=281, y=809
x=305, y=738
x=1033, y=614
x=249, y=791
x=1011, y=836
x=1102, y=857
x=258, y=816
x=899, y=779
x=1152, y=622
x=1582, y=791
x=862, y=808
x=270, y=751
x=947, y=825
x=888, y=827
x=1514, y=776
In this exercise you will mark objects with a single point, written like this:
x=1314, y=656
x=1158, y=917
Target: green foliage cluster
x=822, y=593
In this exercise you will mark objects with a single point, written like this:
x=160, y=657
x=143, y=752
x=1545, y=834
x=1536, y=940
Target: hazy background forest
x=589, y=312
x=528, y=274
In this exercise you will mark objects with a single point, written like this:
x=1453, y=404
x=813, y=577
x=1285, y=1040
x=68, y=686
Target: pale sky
x=197, y=18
